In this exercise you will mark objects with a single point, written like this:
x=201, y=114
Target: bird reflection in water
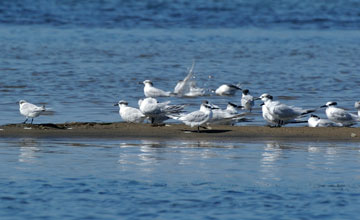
x=28, y=149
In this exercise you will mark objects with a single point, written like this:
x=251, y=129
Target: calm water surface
x=104, y=179
x=80, y=73
x=80, y=57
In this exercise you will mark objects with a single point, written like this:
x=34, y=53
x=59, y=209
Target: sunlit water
x=80, y=73
x=57, y=179
x=80, y=57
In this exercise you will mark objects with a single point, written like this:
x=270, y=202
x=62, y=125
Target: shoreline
x=121, y=130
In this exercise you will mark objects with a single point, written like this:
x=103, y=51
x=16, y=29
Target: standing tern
x=339, y=115
x=30, y=110
x=157, y=112
x=268, y=117
x=130, y=114
x=281, y=113
x=315, y=121
x=247, y=100
x=272, y=122
x=227, y=90
x=196, y=118
x=151, y=91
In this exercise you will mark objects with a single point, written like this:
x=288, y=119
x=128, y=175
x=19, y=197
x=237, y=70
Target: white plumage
x=227, y=89
x=316, y=121
x=30, y=110
x=151, y=91
x=187, y=87
x=357, y=106
x=196, y=118
x=280, y=113
x=339, y=115
x=157, y=112
x=247, y=100
x=228, y=116
x=182, y=86
x=130, y=114
x=268, y=117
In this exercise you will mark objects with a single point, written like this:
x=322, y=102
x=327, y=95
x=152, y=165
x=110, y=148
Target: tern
x=339, y=115
x=280, y=113
x=247, y=100
x=228, y=116
x=30, y=110
x=130, y=114
x=315, y=121
x=275, y=122
x=227, y=90
x=196, y=118
x=157, y=112
x=187, y=87
x=151, y=91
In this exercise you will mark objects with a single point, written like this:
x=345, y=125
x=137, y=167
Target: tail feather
x=40, y=109
x=297, y=122
x=174, y=109
x=305, y=112
x=173, y=116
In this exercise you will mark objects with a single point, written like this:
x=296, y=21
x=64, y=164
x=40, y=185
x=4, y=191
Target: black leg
x=25, y=121
x=198, y=130
x=32, y=120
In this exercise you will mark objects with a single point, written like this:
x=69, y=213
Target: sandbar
x=121, y=130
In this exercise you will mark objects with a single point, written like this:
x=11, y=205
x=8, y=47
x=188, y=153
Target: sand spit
x=176, y=131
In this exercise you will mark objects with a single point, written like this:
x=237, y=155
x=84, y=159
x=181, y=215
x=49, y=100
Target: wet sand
x=176, y=131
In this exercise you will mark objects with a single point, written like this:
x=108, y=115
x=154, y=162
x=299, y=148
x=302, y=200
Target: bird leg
x=32, y=120
x=280, y=123
x=25, y=121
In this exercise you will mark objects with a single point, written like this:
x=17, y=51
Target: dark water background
x=81, y=57
x=293, y=14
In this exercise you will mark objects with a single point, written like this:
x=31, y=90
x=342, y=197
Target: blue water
x=80, y=73
x=149, y=179
x=296, y=14
x=80, y=57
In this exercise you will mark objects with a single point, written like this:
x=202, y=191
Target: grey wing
x=341, y=115
x=196, y=116
x=327, y=123
x=155, y=92
x=173, y=109
x=285, y=111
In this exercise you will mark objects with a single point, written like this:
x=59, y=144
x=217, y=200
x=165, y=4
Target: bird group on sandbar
x=275, y=113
